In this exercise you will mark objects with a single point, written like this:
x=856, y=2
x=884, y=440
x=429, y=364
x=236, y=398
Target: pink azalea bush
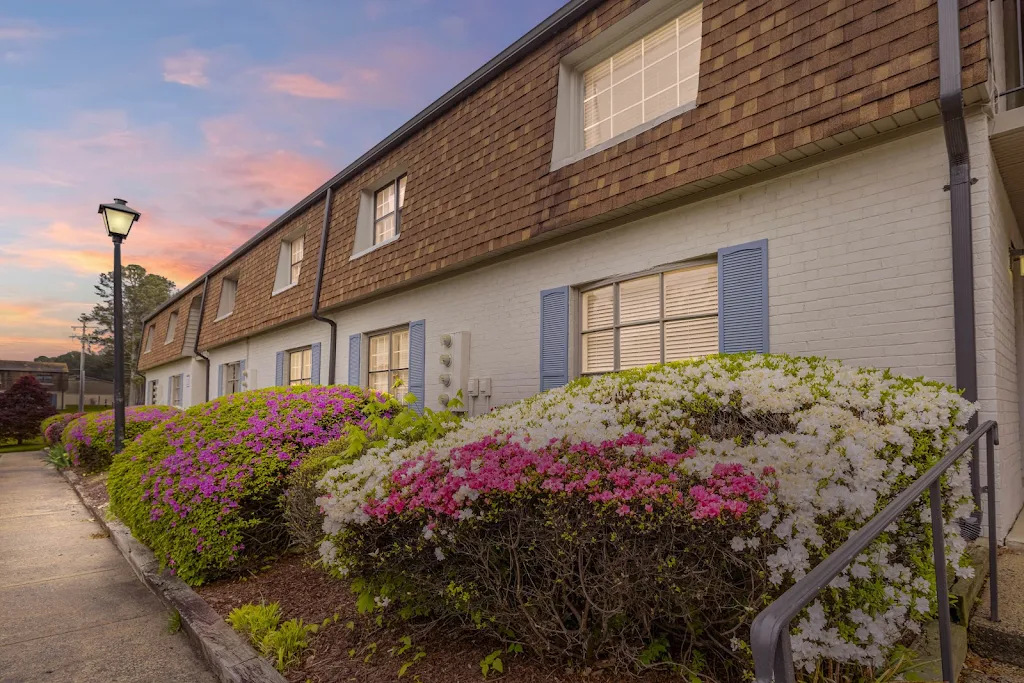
x=53, y=426
x=89, y=439
x=204, y=489
x=583, y=549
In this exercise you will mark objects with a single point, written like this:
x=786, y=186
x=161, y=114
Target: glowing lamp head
x=118, y=218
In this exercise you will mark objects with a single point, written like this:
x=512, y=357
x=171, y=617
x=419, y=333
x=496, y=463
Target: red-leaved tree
x=23, y=407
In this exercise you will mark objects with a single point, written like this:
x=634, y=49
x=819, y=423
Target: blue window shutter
x=743, y=298
x=315, y=363
x=279, y=378
x=220, y=380
x=418, y=363
x=355, y=343
x=170, y=391
x=554, y=338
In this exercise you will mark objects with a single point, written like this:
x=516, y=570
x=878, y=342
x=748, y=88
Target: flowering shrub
x=385, y=428
x=664, y=505
x=89, y=439
x=203, y=490
x=53, y=426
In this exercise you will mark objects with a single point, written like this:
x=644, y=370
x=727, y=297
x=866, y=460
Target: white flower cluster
x=842, y=441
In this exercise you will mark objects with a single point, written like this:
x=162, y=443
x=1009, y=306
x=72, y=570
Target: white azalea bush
x=651, y=514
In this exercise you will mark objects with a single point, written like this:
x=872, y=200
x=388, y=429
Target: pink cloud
x=188, y=68
x=20, y=31
x=305, y=85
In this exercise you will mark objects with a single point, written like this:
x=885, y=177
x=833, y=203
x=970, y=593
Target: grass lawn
x=89, y=409
x=30, y=445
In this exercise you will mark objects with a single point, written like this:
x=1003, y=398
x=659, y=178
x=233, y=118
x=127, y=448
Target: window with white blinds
x=655, y=318
x=650, y=77
x=389, y=362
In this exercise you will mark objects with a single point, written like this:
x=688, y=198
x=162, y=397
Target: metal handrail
x=769, y=634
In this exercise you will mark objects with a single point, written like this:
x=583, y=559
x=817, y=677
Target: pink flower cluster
x=96, y=430
x=626, y=474
x=54, y=430
x=240, y=446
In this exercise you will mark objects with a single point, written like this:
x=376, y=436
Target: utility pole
x=86, y=338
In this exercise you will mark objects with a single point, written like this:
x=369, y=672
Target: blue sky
x=211, y=117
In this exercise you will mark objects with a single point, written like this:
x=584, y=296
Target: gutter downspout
x=951, y=104
x=199, y=331
x=332, y=358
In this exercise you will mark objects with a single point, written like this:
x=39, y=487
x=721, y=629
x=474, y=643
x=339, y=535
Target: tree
x=23, y=407
x=142, y=293
x=97, y=366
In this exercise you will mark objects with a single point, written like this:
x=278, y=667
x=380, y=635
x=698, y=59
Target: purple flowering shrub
x=204, y=489
x=53, y=426
x=89, y=439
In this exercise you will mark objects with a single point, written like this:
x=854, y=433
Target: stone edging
x=229, y=656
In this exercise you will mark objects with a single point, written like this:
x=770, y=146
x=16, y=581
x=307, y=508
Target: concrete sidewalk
x=71, y=609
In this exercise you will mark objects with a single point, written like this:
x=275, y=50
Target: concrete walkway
x=71, y=609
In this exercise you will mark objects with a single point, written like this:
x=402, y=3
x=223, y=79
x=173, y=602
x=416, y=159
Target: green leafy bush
x=255, y=620
x=53, y=426
x=647, y=516
x=89, y=439
x=204, y=489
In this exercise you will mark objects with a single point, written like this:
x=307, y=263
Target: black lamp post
x=118, y=218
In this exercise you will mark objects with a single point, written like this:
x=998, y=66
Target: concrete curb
x=229, y=656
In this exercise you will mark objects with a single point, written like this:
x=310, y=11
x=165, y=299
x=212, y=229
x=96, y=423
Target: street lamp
x=118, y=218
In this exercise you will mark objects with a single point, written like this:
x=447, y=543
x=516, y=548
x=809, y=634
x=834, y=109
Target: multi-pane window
x=172, y=323
x=228, y=289
x=153, y=395
x=45, y=379
x=295, y=249
x=389, y=362
x=232, y=378
x=650, y=319
x=300, y=366
x=387, y=210
x=651, y=77
x=176, y=390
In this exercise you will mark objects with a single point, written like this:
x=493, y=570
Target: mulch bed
x=306, y=592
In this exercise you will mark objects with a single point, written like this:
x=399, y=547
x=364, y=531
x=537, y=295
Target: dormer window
x=641, y=71
x=295, y=250
x=172, y=323
x=387, y=210
x=289, y=261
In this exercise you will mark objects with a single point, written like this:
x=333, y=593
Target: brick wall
x=775, y=76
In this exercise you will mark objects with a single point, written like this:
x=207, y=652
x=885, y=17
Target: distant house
x=53, y=376
x=98, y=392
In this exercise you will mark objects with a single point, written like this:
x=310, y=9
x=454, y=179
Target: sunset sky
x=211, y=117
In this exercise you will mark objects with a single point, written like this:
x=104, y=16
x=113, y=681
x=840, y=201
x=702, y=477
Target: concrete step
x=963, y=594
x=1002, y=641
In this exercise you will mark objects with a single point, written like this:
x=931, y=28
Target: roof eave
x=504, y=60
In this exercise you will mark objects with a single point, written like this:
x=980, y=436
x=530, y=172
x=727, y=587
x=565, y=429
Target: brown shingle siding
x=775, y=76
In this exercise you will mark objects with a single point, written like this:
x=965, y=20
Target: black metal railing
x=769, y=635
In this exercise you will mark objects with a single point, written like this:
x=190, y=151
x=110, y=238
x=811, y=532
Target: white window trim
x=364, y=371
x=375, y=247
x=279, y=291
x=172, y=324
x=568, y=145
x=363, y=243
x=283, y=273
x=288, y=365
x=224, y=317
